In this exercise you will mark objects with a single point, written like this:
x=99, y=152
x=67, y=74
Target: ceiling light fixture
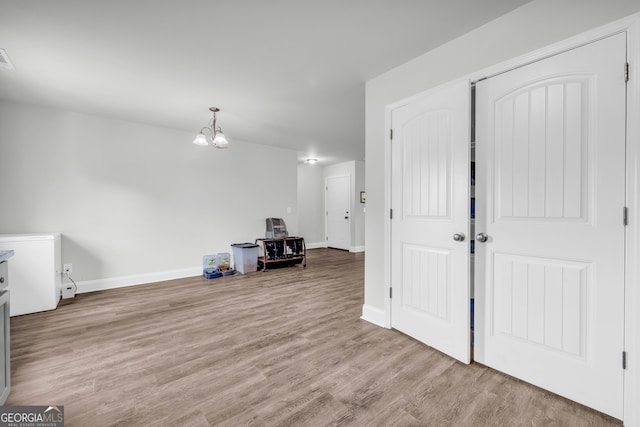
x=5, y=62
x=311, y=161
x=217, y=138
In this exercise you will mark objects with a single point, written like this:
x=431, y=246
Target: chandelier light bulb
x=201, y=139
x=219, y=140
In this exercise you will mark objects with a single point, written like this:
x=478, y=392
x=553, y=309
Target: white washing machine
x=34, y=270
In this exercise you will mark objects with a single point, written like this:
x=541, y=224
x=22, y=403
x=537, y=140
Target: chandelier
x=217, y=138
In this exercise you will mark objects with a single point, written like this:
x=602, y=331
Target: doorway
x=550, y=245
x=338, y=211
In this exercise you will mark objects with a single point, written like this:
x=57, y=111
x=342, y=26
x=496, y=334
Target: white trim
x=316, y=245
x=551, y=50
x=587, y=37
x=632, y=274
x=387, y=210
x=373, y=315
x=137, y=279
x=356, y=249
x=387, y=193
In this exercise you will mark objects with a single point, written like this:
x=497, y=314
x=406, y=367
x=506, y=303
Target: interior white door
x=550, y=188
x=430, y=202
x=338, y=211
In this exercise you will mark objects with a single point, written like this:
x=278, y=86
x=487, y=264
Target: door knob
x=459, y=237
x=346, y=217
x=482, y=237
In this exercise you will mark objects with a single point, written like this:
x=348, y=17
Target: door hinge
x=390, y=213
x=390, y=292
x=624, y=360
x=326, y=238
x=391, y=134
x=625, y=216
x=626, y=72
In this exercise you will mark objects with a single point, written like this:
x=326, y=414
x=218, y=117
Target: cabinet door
x=550, y=188
x=430, y=224
x=5, y=354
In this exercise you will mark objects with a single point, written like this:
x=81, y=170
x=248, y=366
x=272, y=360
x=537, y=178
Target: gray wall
x=533, y=26
x=311, y=189
x=311, y=204
x=132, y=199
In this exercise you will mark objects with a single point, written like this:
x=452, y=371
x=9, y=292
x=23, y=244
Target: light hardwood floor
x=285, y=347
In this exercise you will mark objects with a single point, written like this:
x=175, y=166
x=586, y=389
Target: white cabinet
x=5, y=339
x=36, y=278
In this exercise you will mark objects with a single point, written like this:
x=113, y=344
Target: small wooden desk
x=281, y=252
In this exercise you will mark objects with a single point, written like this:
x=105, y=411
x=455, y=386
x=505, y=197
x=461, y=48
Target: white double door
x=550, y=193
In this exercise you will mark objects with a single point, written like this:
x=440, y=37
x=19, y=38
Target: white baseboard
x=137, y=279
x=316, y=245
x=373, y=315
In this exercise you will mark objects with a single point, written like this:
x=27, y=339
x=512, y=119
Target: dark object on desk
x=274, y=249
x=276, y=229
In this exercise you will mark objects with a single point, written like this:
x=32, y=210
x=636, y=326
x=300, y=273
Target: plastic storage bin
x=245, y=256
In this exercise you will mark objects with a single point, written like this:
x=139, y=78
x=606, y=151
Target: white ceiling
x=288, y=73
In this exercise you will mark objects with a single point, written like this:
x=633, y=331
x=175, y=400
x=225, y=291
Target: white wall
x=132, y=199
x=311, y=205
x=533, y=26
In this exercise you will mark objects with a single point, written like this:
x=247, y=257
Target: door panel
x=338, y=189
x=542, y=301
x=426, y=285
x=540, y=153
x=550, y=188
x=430, y=200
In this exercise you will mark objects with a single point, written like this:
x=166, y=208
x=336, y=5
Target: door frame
x=631, y=26
x=326, y=216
